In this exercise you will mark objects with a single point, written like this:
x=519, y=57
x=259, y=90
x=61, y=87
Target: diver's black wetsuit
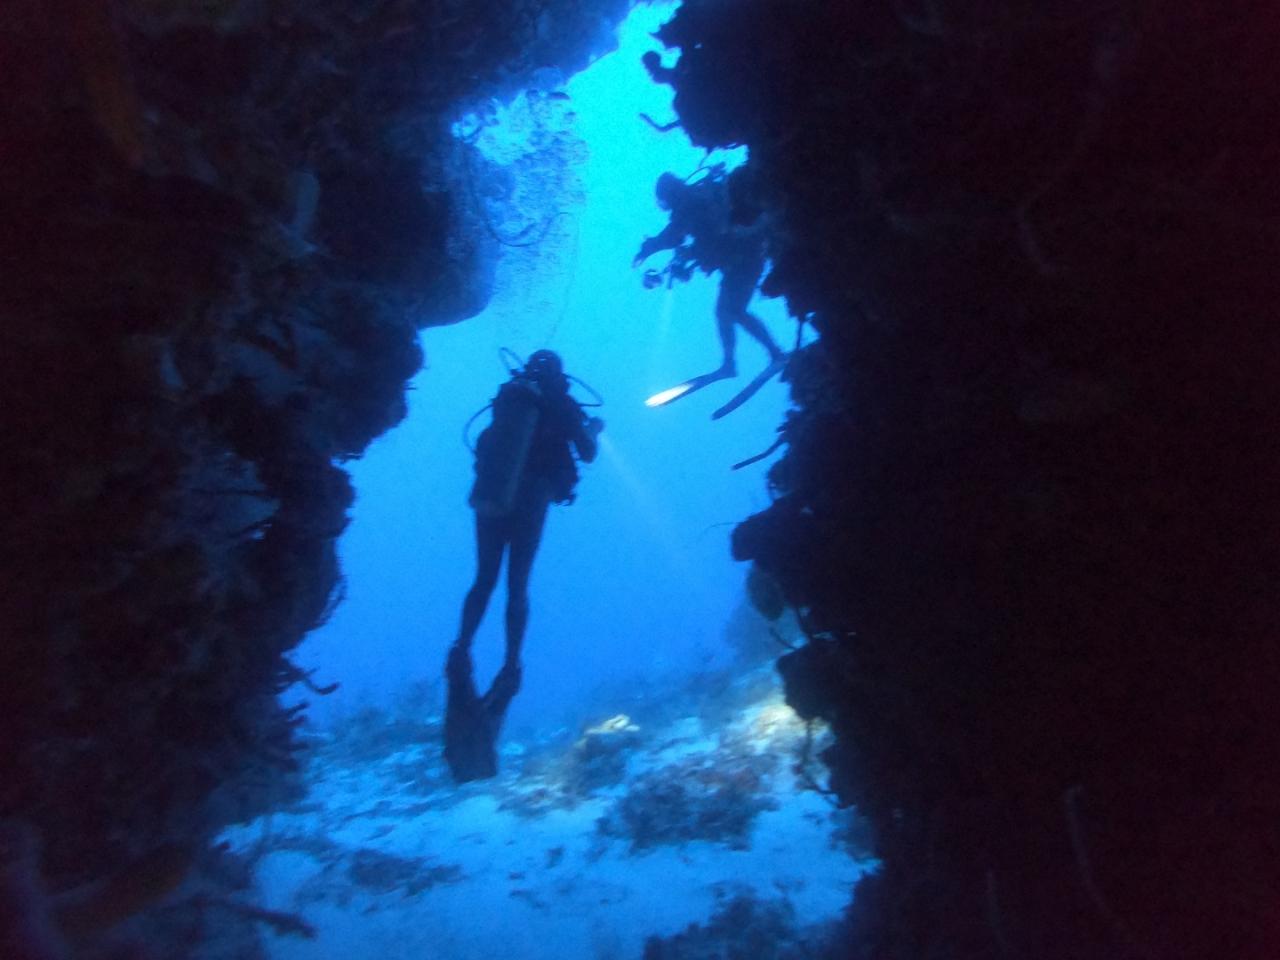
x=548, y=477
x=701, y=211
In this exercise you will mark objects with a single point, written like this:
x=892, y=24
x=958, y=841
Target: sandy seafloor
x=581, y=848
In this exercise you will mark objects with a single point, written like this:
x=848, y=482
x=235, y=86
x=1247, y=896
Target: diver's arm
x=670, y=238
x=584, y=438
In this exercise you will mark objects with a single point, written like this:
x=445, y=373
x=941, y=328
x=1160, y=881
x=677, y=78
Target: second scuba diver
x=702, y=211
x=523, y=464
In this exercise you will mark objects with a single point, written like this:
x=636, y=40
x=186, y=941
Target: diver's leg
x=729, y=304
x=755, y=326
x=490, y=537
x=736, y=288
x=526, y=534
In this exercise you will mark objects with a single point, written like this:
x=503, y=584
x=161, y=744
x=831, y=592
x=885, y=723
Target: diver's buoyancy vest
x=503, y=447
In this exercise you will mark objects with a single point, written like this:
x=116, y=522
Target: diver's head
x=545, y=367
x=667, y=189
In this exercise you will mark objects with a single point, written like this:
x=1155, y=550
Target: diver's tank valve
x=503, y=447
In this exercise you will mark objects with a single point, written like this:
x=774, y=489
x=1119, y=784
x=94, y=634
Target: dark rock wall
x=223, y=224
x=1028, y=506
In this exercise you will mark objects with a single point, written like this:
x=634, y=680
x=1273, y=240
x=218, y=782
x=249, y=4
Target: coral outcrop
x=1027, y=508
x=224, y=224
x=745, y=926
x=693, y=799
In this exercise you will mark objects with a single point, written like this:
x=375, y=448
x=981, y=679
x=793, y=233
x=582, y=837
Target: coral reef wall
x=1028, y=509
x=224, y=223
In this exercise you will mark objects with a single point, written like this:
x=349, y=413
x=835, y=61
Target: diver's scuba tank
x=503, y=447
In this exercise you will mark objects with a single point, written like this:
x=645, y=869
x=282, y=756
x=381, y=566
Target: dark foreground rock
x=1027, y=508
x=223, y=225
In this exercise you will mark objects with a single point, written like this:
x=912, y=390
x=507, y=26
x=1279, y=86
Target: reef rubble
x=746, y=926
x=385, y=852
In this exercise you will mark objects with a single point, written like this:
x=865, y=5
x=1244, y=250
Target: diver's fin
x=749, y=391
x=469, y=731
x=670, y=395
x=504, y=688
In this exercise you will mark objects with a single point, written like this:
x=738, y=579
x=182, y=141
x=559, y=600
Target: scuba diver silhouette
x=702, y=211
x=523, y=465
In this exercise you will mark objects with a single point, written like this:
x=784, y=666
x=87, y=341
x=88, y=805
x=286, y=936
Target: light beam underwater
x=664, y=397
x=697, y=383
x=662, y=526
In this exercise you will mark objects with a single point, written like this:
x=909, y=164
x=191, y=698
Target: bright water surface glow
x=633, y=583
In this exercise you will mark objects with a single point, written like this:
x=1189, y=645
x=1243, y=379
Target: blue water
x=601, y=830
x=633, y=583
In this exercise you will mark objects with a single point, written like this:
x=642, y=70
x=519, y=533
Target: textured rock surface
x=224, y=223
x=1027, y=509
